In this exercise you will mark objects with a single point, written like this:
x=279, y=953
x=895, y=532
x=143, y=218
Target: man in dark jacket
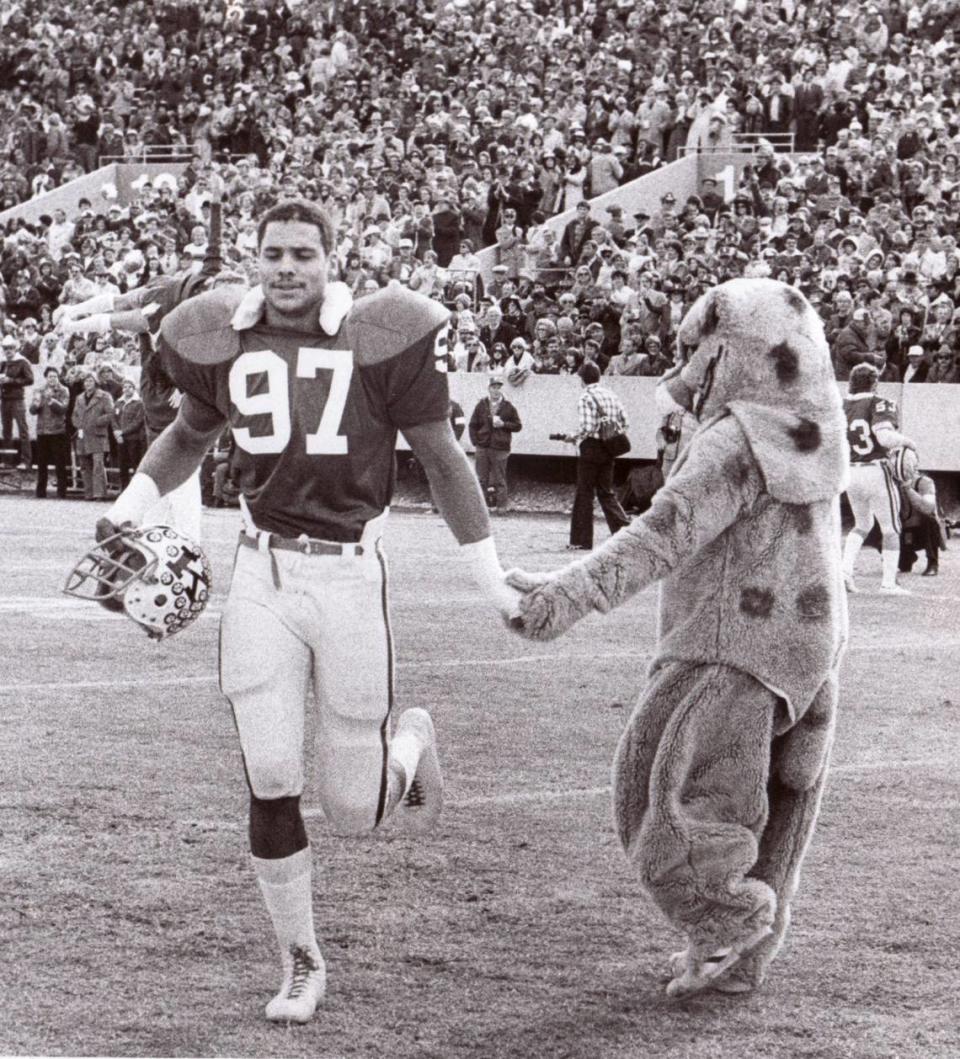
x=447, y=231
x=855, y=344
x=50, y=405
x=130, y=430
x=575, y=234
x=15, y=375
x=494, y=419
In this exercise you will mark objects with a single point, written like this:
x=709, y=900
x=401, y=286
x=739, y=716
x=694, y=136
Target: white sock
x=889, y=561
x=851, y=549
x=286, y=885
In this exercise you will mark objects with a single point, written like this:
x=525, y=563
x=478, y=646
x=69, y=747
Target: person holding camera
x=493, y=420
x=595, y=466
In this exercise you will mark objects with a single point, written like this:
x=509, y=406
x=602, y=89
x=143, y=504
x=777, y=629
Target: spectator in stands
x=604, y=169
x=30, y=340
x=855, y=344
x=945, y=366
x=50, y=405
x=15, y=375
x=391, y=141
x=575, y=235
x=447, y=230
x=520, y=364
x=917, y=367
x=630, y=360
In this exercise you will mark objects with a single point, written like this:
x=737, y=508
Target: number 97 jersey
x=864, y=412
x=314, y=416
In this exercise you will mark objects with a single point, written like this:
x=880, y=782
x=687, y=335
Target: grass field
x=131, y=925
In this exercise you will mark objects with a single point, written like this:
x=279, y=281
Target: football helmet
x=155, y=575
x=904, y=465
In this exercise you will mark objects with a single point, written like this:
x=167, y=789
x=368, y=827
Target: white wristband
x=98, y=324
x=481, y=556
x=133, y=503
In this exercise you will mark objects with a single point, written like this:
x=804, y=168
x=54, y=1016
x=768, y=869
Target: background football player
x=141, y=311
x=872, y=433
x=315, y=392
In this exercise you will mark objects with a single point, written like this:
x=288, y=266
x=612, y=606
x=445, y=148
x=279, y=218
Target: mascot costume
x=718, y=777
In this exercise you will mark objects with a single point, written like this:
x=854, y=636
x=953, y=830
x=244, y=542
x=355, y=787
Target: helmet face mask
x=156, y=576
x=905, y=465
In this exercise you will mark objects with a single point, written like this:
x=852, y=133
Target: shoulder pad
x=382, y=325
x=199, y=329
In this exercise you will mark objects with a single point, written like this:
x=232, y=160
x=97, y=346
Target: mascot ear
x=712, y=312
x=704, y=318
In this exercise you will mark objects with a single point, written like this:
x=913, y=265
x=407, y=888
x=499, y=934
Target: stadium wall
x=547, y=404
x=66, y=197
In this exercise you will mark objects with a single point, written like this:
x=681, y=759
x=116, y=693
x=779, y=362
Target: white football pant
x=326, y=628
x=873, y=494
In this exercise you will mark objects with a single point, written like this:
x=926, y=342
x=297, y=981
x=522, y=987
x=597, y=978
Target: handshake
x=536, y=606
x=561, y=437
x=545, y=605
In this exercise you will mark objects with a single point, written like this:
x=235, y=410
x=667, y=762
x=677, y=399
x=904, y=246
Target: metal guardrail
x=748, y=142
x=159, y=152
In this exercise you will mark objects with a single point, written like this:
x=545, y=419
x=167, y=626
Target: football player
x=315, y=391
x=872, y=434
x=141, y=311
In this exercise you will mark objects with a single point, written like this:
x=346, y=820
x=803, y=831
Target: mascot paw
x=732, y=982
x=525, y=582
x=546, y=613
x=718, y=970
x=552, y=602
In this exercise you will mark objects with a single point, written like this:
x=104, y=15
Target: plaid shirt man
x=595, y=402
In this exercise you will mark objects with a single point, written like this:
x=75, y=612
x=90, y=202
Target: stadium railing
x=180, y=153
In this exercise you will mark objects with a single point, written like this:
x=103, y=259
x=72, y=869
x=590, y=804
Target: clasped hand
x=537, y=615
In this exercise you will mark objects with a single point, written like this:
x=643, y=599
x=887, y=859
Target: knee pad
x=276, y=827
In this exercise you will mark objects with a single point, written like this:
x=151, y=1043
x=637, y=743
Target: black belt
x=304, y=545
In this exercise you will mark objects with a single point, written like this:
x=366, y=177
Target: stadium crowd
x=431, y=132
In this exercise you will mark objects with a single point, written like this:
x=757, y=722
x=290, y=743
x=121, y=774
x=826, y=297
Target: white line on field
x=509, y=798
x=94, y=685
x=452, y=663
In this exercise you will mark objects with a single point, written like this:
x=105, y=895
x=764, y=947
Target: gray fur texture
x=720, y=771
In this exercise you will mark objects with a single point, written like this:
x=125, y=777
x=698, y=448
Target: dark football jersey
x=318, y=425
x=864, y=412
x=162, y=296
